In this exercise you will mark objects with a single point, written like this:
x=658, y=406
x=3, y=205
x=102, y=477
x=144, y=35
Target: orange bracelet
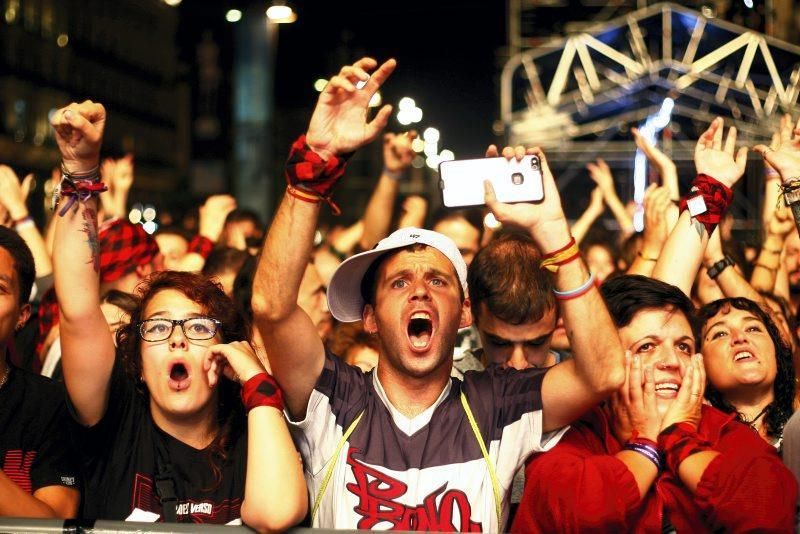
x=305, y=196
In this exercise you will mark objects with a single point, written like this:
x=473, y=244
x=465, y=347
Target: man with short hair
x=513, y=307
x=406, y=446
x=38, y=477
x=464, y=227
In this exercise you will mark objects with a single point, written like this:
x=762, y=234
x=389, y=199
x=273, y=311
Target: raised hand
x=660, y=215
x=545, y=219
x=596, y=204
x=213, y=213
x=781, y=223
x=397, y=151
x=601, y=174
x=783, y=154
x=339, y=124
x=237, y=361
x=654, y=155
x=720, y=161
x=633, y=407
x=686, y=407
x=79, y=134
x=13, y=194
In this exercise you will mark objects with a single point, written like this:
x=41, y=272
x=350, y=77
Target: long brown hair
x=209, y=295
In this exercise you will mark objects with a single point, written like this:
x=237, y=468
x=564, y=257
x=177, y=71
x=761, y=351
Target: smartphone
x=461, y=181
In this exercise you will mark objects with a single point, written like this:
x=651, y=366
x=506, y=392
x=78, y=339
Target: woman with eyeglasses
x=168, y=420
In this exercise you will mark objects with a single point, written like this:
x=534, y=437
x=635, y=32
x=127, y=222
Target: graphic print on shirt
x=378, y=502
x=146, y=499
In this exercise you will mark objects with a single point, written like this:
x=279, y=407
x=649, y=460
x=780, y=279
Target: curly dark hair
x=779, y=411
x=209, y=295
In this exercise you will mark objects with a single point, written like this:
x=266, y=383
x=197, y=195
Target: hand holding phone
x=513, y=180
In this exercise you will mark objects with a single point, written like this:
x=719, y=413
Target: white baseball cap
x=344, y=292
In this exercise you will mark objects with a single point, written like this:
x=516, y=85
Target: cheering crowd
x=391, y=376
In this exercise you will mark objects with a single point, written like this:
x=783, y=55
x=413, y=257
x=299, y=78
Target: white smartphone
x=461, y=181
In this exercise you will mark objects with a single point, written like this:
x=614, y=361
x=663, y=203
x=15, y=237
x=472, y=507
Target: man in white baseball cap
x=406, y=446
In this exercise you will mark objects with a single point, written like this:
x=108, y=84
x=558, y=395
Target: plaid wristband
x=306, y=170
x=262, y=390
x=201, y=245
x=679, y=441
x=716, y=196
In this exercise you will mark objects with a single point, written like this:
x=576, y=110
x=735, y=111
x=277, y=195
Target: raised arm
x=719, y=167
x=729, y=279
x=397, y=157
x=768, y=264
x=601, y=174
x=785, y=158
x=13, y=195
x=596, y=369
x=338, y=126
x=592, y=212
x=86, y=344
x=660, y=216
x=665, y=166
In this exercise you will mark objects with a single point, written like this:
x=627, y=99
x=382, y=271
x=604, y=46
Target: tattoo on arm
x=699, y=227
x=90, y=229
x=795, y=207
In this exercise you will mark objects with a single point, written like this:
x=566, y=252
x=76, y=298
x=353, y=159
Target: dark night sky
x=445, y=52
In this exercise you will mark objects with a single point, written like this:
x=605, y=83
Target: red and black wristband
x=261, y=390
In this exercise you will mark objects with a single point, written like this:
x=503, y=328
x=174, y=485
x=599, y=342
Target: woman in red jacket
x=655, y=458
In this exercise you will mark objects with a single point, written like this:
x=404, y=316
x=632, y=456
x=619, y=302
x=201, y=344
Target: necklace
x=752, y=422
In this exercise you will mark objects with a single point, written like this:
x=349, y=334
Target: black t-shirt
x=120, y=466
x=34, y=433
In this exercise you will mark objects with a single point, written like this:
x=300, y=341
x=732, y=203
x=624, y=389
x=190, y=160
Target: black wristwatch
x=715, y=270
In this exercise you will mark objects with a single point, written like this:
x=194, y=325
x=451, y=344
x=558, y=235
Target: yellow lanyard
x=475, y=431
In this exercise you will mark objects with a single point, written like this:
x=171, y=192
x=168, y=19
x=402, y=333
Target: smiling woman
x=749, y=366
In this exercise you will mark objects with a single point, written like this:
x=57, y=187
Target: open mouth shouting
x=179, y=377
x=420, y=331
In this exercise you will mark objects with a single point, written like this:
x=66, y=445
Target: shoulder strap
x=332, y=465
x=165, y=480
x=489, y=465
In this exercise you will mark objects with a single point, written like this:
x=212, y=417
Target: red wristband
x=717, y=197
x=261, y=390
x=306, y=170
x=679, y=441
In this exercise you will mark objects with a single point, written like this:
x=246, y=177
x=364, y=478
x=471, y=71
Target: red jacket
x=580, y=486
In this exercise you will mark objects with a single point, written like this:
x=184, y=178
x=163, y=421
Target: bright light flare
x=233, y=15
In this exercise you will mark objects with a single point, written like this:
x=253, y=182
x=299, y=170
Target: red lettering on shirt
x=378, y=495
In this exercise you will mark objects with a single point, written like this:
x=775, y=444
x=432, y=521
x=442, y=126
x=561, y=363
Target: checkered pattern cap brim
x=344, y=292
x=123, y=247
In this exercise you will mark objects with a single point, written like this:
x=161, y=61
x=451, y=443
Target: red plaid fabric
x=717, y=197
x=201, y=245
x=679, y=441
x=306, y=170
x=123, y=247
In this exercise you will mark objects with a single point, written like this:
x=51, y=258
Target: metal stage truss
x=579, y=95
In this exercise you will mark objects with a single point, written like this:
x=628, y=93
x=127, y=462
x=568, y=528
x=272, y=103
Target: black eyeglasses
x=194, y=328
